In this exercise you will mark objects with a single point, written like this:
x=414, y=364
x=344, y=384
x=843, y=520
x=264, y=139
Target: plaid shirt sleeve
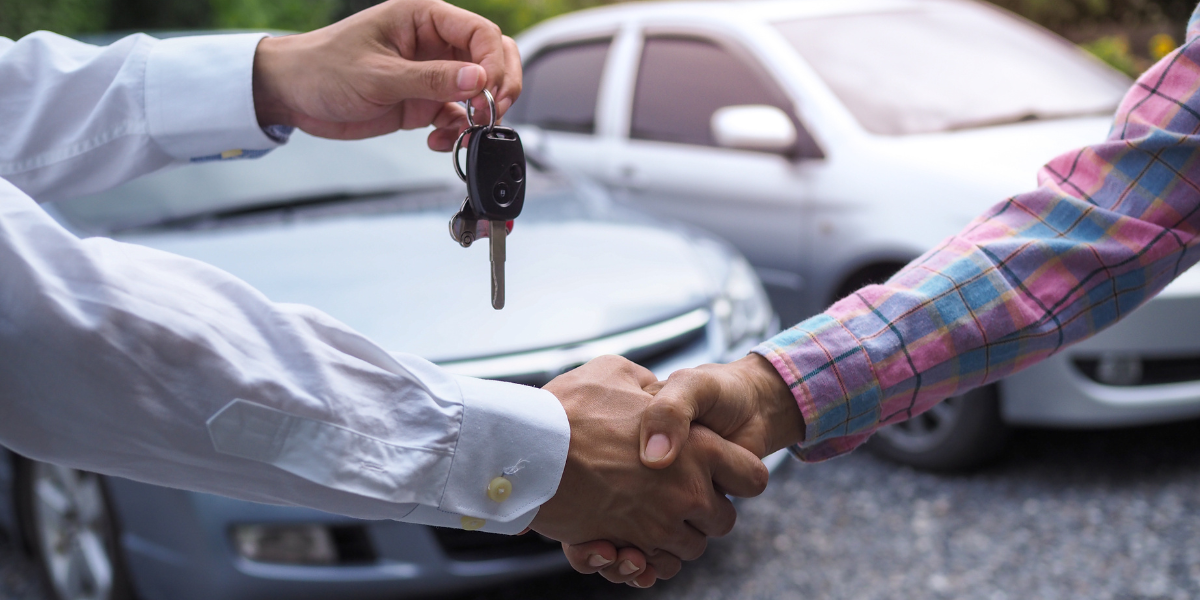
x=1111, y=225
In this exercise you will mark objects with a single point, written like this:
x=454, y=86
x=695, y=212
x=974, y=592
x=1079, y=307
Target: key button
x=500, y=489
x=500, y=194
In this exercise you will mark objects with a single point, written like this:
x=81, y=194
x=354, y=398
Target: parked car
x=360, y=230
x=834, y=141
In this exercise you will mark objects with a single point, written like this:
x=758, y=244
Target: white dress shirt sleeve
x=79, y=119
x=129, y=361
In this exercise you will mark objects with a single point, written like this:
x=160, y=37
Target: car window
x=561, y=87
x=682, y=81
x=947, y=66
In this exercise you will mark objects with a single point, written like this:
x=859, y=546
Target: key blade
x=497, y=239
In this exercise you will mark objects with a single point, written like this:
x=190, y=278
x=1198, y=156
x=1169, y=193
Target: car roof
x=760, y=10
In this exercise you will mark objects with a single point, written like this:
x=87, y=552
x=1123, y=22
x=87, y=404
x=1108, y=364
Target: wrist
x=270, y=73
x=776, y=404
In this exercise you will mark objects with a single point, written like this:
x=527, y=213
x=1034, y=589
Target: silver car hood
x=399, y=279
x=996, y=161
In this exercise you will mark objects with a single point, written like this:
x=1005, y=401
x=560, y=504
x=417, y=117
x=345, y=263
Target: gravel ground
x=1096, y=515
x=18, y=581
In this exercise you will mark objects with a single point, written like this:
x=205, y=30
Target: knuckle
x=727, y=521
x=669, y=411
x=433, y=78
x=684, y=376
x=695, y=548
x=692, y=506
x=760, y=477
x=658, y=534
x=666, y=565
x=608, y=360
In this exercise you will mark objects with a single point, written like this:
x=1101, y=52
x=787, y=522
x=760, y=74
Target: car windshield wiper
x=1027, y=117
x=409, y=197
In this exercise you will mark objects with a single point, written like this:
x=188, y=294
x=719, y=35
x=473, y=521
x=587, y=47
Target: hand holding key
x=401, y=64
x=495, y=178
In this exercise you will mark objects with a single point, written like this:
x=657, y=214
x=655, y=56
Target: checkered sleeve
x=1111, y=225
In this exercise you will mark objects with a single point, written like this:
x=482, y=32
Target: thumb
x=666, y=422
x=438, y=80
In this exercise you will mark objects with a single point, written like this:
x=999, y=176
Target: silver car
x=359, y=230
x=833, y=141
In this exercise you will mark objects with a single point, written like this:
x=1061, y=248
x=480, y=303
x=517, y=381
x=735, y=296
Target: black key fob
x=496, y=173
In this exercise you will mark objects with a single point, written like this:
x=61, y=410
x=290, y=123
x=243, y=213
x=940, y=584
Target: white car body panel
x=806, y=225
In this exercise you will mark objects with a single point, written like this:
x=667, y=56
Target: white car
x=832, y=141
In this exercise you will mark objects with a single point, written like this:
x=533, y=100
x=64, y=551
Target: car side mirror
x=754, y=127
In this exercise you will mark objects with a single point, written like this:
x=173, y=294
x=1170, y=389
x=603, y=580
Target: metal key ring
x=491, y=108
x=458, y=146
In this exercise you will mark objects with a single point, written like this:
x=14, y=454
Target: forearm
x=128, y=361
x=1110, y=227
x=79, y=119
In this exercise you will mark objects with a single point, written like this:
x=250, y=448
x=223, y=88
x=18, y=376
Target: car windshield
x=307, y=172
x=944, y=66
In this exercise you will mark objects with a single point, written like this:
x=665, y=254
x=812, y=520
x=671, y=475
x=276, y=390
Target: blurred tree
x=19, y=17
x=1127, y=34
x=513, y=16
x=1060, y=14
x=1132, y=25
x=149, y=15
x=1114, y=50
x=295, y=15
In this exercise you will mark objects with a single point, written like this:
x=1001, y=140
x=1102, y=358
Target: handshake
x=651, y=463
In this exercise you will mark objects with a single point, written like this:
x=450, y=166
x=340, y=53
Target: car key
x=495, y=178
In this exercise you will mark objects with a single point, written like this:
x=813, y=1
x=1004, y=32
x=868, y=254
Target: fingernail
x=596, y=560
x=468, y=77
x=657, y=447
x=627, y=568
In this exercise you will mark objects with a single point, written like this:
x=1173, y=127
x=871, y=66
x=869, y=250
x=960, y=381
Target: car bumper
x=178, y=546
x=1063, y=392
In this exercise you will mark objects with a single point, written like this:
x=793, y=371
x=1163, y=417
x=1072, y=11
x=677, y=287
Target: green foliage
x=19, y=17
x=1057, y=14
x=295, y=15
x=515, y=16
x=1114, y=50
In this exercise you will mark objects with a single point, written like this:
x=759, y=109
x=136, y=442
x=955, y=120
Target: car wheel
x=960, y=433
x=67, y=521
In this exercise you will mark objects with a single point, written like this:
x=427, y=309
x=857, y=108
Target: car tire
x=66, y=519
x=961, y=433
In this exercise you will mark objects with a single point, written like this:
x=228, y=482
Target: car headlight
x=742, y=310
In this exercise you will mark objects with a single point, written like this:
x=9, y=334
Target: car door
x=560, y=99
x=669, y=163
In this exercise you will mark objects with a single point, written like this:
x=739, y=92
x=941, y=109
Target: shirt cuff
x=510, y=433
x=833, y=381
x=200, y=98
x=428, y=515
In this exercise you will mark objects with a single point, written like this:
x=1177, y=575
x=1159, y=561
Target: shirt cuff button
x=472, y=523
x=499, y=489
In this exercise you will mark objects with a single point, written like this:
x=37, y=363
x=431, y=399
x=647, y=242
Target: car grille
x=1154, y=371
x=470, y=546
x=646, y=346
